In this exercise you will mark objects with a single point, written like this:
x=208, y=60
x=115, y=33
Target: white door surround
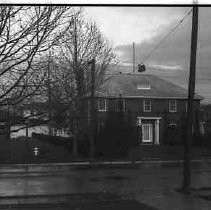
x=156, y=126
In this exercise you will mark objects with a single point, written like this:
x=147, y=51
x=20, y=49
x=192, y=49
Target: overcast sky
x=147, y=26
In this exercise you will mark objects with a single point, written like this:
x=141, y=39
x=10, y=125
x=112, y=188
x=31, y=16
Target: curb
x=99, y=163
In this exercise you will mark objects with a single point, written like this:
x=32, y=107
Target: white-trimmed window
x=172, y=124
x=147, y=105
x=60, y=132
x=120, y=105
x=102, y=106
x=172, y=105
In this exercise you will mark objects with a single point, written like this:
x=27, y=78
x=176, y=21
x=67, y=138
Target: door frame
x=156, y=127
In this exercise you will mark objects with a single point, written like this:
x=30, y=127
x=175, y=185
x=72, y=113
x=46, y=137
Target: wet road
x=143, y=186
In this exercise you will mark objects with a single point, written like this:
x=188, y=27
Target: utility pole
x=133, y=58
x=93, y=114
x=190, y=108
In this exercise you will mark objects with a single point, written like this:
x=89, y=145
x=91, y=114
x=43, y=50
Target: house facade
x=155, y=106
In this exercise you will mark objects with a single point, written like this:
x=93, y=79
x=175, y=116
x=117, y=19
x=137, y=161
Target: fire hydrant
x=36, y=151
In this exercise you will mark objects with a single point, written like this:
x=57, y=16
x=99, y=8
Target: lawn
x=164, y=152
x=22, y=151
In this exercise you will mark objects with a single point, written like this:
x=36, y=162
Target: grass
x=164, y=152
x=22, y=151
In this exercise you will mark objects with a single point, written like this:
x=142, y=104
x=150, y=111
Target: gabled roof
x=132, y=85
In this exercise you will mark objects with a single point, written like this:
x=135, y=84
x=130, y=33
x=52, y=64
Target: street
x=108, y=186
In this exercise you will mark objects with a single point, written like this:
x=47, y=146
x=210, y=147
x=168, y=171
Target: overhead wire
x=199, y=44
x=161, y=42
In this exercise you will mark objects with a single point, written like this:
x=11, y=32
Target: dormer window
x=144, y=86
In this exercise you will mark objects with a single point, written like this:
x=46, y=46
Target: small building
x=157, y=107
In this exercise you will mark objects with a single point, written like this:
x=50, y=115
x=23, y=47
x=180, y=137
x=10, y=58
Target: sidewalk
x=42, y=167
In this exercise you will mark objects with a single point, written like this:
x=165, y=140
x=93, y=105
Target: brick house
x=157, y=107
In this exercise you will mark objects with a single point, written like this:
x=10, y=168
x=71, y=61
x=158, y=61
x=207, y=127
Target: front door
x=147, y=132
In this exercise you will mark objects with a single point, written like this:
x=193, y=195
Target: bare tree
x=67, y=64
x=81, y=43
x=26, y=33
x=68, y=60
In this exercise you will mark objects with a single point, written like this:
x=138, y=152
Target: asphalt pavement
x=118, y=185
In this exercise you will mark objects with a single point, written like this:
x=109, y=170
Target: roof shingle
x=125, y=85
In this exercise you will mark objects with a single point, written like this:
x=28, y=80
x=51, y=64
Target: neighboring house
x=33, y=117
x=157, y=107
x=21, y=130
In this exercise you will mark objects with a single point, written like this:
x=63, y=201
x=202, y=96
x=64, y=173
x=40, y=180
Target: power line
x=158, y=45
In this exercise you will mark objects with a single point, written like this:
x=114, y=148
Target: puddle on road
x=109, y=177
x=203, y=193
x=205, y=197
x=116, y=177
x=94, y=179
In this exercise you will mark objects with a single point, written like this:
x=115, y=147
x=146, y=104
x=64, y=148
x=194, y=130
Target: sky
x=146, y=27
